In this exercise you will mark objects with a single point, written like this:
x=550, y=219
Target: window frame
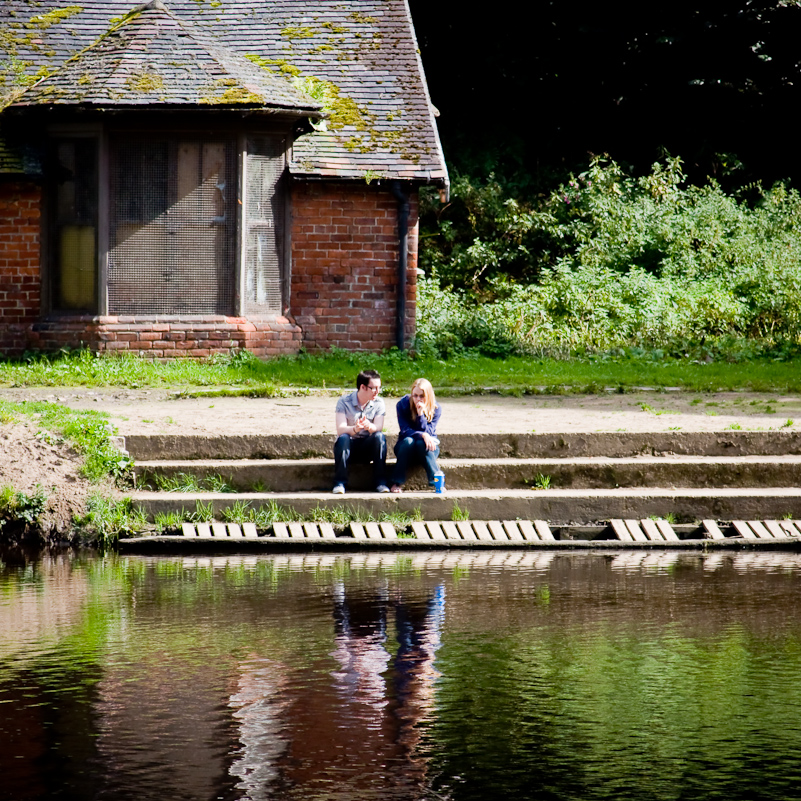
x=101, y=134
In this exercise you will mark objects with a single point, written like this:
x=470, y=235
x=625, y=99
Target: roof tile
x=358, y=57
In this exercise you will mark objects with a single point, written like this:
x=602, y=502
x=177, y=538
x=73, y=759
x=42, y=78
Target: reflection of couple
x=361, y=439
x=361, y=636
x=394, y=694
x=299, y=738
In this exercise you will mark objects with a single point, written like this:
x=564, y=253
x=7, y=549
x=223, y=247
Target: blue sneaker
x=382, y=488
x=339, y=489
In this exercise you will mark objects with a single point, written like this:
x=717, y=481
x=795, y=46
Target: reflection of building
x=161, y=721
x=42, y=611
x=173, y=722
x=41, y=722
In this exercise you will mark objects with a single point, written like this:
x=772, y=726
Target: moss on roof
x=297, y=33
x=26, y=34
x=358, y=57
x=141, y=82
x=137, y=57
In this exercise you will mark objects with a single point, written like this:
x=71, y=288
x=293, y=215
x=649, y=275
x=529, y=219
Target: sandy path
x=155, y=411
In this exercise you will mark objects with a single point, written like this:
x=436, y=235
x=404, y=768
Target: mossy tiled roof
x=358, y=58
x=152, y=56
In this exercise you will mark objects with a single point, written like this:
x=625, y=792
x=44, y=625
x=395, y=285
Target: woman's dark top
x=411, y=427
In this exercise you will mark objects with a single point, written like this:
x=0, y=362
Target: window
x=74, y=209
x=169, y=229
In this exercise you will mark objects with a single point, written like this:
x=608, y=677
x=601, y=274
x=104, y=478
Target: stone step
x=477, y=446
x=309, y=475
x=557, y=506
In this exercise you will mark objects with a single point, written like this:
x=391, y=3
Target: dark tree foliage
x=529, y=91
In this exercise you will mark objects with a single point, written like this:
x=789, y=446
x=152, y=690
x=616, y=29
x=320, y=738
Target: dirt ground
x=156, y=411
x=27, y=461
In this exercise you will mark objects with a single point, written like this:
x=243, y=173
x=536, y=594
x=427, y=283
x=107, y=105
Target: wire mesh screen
x=75, y=220
x=265, y=225
x=172, y=226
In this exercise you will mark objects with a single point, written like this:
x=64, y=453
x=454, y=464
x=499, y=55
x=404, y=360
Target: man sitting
x=359, y=421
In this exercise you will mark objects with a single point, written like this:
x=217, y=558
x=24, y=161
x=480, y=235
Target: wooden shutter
x=264, y=221
x=172, y=221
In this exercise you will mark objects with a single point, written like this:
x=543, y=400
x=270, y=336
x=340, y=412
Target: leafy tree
x=555, y=81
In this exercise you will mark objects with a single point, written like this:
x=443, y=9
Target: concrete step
x=556, y=506
x=308, y=475
x=477, y=446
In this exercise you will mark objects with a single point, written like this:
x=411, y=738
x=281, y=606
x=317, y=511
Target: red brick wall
x=20, y=284
x=345, y=265
x=344, y=284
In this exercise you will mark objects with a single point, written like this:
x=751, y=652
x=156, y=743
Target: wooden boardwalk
x=510, y=533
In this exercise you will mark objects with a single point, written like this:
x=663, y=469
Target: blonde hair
x=428, y=394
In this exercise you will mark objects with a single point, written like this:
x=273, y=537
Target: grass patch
x=539, y=482
x=169, y=522
x=267, y=514
x=619, y=370
x=204, y=513
x=85, y=430
x=107, y=519
x=238, y=513
x=187, y=482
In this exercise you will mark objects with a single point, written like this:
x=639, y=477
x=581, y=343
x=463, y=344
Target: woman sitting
x=418, y=414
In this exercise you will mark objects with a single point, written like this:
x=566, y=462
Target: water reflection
x=261, y=707
x=639, y=674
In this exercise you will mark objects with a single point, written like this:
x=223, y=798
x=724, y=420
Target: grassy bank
x=72, y=506
x=86, y=431
x=700, y=369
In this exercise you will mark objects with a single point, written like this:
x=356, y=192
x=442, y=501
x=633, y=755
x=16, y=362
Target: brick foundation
x=345, y=266
x=343, y=291
x=167, y=337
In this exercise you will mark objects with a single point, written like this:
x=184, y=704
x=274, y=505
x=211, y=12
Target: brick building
x=210, y=175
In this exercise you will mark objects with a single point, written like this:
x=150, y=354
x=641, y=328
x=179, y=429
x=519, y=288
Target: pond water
x=401, y=676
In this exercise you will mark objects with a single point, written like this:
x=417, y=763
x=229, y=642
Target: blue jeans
x=361, y=450
x=412, y=450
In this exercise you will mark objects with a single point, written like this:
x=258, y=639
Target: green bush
x=617, y=261
x=21, y=508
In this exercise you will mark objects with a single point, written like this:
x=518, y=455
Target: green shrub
x=616, y=261
x=19, y=507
